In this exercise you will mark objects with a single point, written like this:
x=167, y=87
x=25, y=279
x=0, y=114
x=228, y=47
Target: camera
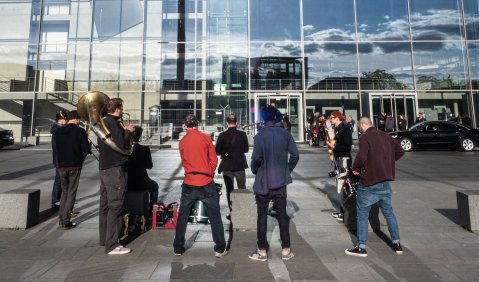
x=334, y=173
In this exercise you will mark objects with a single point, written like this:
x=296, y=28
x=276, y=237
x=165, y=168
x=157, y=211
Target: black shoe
x=337, y=214
x=340, y=217
x=357, y=252
x=179, y=253
x=397, y=248
x=228, y=216
x=68, y=225
x=55, y=207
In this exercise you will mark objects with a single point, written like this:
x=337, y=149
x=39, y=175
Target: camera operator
x=341, y=146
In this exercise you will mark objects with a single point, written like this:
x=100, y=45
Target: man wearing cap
x=341, y=146
x=199, y=160
x=60, y=120
x=71, y=146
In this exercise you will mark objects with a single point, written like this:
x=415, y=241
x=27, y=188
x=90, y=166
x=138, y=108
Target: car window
x=447, y=127
x=432, y=127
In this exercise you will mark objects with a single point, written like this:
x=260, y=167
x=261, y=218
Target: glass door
x=394, y=104
x=290, y=104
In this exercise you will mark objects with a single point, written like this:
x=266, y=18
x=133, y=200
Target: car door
x=427, y=136
x=448, y=134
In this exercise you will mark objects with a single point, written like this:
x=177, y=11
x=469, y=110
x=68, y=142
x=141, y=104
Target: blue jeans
x=210, y=198
x=367, y=196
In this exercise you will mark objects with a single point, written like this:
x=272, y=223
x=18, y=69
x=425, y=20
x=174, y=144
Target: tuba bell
x=90, y=108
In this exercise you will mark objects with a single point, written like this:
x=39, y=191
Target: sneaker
x=68, y=225
x=120, y=250
x=257, y=256
x=287, y=256
x=222, y=254
x=178, y=253
x=340, y=217
x=357, y=252
x=337, y=214
x=397, y=248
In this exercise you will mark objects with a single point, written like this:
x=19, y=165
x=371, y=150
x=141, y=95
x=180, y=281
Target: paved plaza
x=436, y=248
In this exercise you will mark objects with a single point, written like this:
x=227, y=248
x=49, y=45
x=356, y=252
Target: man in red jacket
x=199, y=160
x=375, y=164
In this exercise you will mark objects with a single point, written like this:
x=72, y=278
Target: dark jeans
x=112, y=197
x=229, y=177
x=210, y=198
x=57, y=188
x=69, y=182
x=279, y=198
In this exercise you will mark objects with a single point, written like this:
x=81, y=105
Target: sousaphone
x=91, y=109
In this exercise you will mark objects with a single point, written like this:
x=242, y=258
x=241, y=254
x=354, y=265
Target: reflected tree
x=380, y=79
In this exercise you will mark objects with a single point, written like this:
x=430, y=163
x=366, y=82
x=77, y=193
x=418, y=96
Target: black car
x=6, y=137
x=437, y=135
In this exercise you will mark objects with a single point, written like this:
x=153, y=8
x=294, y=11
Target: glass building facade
x=168, y=58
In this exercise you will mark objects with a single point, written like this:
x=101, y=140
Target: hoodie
x=71, y=146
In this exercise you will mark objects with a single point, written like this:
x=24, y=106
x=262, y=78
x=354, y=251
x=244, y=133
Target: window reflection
x=384, y=20
x=275, y=20
x=227, y=66
x=474, y=63
x=440, y=65
x=471, y=16
x=322, y=23
x=385, y=65
x=331, y=66
x=435, y=20
x=178, y=23
x=227, y=20
x=276, y=66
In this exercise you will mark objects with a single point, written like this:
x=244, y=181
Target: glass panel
x=80, y=23
x=179, y=20
x=443, y=105
x=435, y=20
x=153, y=62
x=105, y=68
x=227, y=66
x=384, y=20
x=385, y=66
x=113, y=17
x=440, y=65
x=474, y=63
x=331, y=66
x=276, y=66
x=130, y=66
x=15, y=20
x=227, y=20
x=322, y=23
x=178, y=66
x=471, y=16
x=77, y=66
x=15, y=74
x=275, y=20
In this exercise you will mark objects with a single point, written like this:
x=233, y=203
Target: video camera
x=336, y=172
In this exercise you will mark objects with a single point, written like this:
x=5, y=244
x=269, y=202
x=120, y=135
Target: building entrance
x=290, y=104
x=395, y=104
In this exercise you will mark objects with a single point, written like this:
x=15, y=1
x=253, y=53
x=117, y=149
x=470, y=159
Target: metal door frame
x=393, y=105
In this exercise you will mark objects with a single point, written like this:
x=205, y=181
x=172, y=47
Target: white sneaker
x=120, y=250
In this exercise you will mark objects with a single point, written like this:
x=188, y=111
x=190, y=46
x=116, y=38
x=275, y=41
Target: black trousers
x=112, y=197
x=57, y=188
x=69, y=182
x=229, y=177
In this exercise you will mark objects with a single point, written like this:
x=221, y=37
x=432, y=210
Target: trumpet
x=258, y=125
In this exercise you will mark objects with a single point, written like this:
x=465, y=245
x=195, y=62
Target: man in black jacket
x=232, y=145
x=71, y=146
x=138, y=162
x=341, y=146
x=113, y=178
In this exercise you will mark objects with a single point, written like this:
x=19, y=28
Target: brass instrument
x=90, y=108
x=258, y=124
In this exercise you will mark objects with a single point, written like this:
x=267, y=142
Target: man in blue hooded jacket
x=274, y=157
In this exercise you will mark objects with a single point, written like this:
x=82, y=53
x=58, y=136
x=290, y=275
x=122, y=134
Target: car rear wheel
x=406, y=144
x=467, y=144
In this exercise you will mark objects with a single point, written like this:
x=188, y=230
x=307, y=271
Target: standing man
x=232, y=146
x=113, y=178
x=71, y=146
x=272, y=167
x=341, y=146
x=375, y=164
x=199, y=160
x=60, y=120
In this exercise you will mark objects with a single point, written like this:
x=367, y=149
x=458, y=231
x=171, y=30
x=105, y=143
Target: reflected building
x=169, y=58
